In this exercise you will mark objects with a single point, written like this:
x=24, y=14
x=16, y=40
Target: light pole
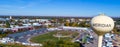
x=101, y=24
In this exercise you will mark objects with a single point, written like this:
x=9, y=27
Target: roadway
x=24, y=36
x=90, y=43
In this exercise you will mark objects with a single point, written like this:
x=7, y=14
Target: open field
x=49, y=36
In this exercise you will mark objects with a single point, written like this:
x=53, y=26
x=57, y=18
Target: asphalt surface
x=83, y=34
x=24, y=36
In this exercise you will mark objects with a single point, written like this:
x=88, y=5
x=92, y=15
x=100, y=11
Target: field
x=49, y=36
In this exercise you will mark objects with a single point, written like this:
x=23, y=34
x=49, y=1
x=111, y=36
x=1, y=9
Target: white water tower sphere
x=102, y=24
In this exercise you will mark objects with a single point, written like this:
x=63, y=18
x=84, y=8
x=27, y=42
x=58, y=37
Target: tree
x=62, y=21
x=116, y=30
x=75, y=24
x=60, y=43
x=84, y=24
x=67, y=24
x=7, y=24
x=49, y=43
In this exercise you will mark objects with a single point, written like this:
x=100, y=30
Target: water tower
x=101, y=24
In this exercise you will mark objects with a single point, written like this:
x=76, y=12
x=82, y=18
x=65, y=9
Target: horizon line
x=56, y=16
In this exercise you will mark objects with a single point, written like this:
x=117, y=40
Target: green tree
x=7, y=24
x=84, y=24
x=60, y=43
x=61, y=21
x=49, y=43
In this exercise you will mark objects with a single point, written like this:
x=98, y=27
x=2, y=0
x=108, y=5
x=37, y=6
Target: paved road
x=83, y=34
x=24, y=36
x=94, y=44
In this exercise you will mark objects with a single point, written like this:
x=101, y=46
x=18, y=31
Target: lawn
x=49, y=36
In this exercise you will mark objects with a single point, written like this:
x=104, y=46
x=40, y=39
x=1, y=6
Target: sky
x=85, y=8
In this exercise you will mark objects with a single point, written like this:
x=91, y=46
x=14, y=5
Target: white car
x=35, y=44
x=25, y=43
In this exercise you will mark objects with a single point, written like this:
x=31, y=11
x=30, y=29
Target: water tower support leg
x=100, y=38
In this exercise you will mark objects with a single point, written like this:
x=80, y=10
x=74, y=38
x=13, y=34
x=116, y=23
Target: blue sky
x=60, y=7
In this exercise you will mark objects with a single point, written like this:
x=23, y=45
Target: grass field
x=49, y=36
